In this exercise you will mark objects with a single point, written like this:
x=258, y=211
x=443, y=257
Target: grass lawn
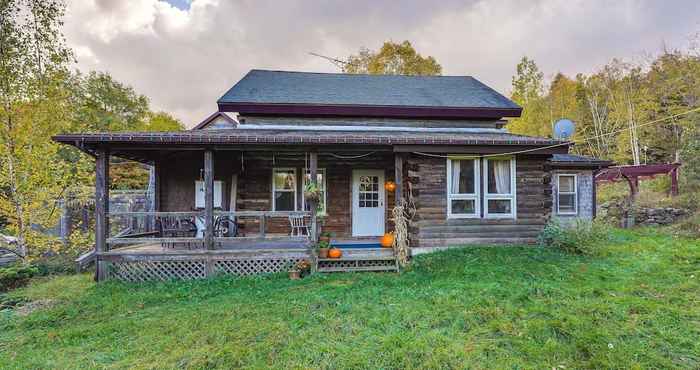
x=637, y=305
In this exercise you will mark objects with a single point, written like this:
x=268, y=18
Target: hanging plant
x=311, y=192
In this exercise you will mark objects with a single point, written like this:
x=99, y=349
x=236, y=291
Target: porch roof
x=142, y=146
x=305, y=137
x=579, y=161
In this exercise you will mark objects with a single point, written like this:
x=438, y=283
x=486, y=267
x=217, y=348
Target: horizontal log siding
x=179, y=172
x=255, y=186
x=255, y=189
x=431, y=228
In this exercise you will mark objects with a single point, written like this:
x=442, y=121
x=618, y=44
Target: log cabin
x=229, y=194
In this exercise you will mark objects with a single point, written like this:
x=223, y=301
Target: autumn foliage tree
x=41, y=97
x=613, y=106
x=392, y=59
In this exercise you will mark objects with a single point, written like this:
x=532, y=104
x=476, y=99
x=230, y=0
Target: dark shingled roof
x=454, y=93
x=578, y=161
x=262, y=136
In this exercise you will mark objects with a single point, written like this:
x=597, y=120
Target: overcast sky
x=185, y=54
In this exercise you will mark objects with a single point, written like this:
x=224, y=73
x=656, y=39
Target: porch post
x=398, y=177
x=313, y=172
x=674, y=182
x=209, y=199
x=101, y=210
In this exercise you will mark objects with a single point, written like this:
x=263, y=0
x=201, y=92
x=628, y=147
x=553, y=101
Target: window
x=321, y=181
x=567, y=195
x=199, y=194
x=499, y=183
x=462, y=188
x=284, y=189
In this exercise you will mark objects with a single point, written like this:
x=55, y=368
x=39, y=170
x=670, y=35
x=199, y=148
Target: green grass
x=636, y=305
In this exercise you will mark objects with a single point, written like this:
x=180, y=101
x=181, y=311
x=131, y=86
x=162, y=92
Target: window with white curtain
x=463, y=188
x=499, y=184
x=284, y=189
x=321, y=182
x=566, y=194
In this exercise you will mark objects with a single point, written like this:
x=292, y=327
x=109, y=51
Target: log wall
x=432, y=228
x=254, y=192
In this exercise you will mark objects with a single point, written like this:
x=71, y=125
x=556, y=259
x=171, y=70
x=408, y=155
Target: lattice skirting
x=253, y=266
x=148, y=270
x=135, y=271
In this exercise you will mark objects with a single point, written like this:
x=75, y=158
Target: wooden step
x=358, y=269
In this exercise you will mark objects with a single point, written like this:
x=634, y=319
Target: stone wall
x=644, y=216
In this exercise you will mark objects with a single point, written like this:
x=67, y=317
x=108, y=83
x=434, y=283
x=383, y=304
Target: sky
x=184, y=54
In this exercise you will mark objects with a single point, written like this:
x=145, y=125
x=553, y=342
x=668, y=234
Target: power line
x=574, y=141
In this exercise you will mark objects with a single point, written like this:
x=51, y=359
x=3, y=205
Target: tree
x=528, y=90
x=104, y=104
x=33, y=68
x=162, y=121
x=392, y=59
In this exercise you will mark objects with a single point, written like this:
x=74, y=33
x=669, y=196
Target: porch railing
x=187, y=228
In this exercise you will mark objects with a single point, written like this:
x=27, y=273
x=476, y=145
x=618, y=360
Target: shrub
x=581, y=237
x=55, y=265
x=15, y=276
x=688, y=227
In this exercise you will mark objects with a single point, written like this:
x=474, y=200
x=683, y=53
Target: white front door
x=368, y=202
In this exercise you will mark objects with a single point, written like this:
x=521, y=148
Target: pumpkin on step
x=387, y=241
x=334, y=253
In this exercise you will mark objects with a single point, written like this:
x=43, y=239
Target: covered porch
x=242, y=210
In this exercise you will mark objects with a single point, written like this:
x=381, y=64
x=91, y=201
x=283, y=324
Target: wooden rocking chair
x=299, y=227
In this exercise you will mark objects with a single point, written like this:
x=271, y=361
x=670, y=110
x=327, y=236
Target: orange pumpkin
x=387, y=241
x=334, y=253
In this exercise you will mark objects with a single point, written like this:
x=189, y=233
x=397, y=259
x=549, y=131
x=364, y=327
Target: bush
x=582, y=237
x=55, y=265
x=15, y=276
x=688, y=227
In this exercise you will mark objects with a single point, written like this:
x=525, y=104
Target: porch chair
x=299, y=227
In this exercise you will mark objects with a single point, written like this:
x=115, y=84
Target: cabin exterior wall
x=432, y=228
x=584, y=196
x=254, y=186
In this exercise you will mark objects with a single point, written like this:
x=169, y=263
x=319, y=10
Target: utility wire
x=573, y=141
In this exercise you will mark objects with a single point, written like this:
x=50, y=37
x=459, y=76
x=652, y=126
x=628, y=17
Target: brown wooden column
x=313, y=172
x=398, y=177
x=674, y=182
x=156, y=185
x=209, y=199
x=101, y=210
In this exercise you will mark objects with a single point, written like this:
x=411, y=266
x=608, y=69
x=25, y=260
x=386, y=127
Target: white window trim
x=200, y=201
x=324, y=211
x=474, y=196
x=512, y=196
x=274, y=190
x=574, y=193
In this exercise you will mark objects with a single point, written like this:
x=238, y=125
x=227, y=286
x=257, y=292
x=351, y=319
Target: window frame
x=574, y=193
x=275, y=190
x=492, y=196
x=476, y=196
x=324, y=211
x=199, y=184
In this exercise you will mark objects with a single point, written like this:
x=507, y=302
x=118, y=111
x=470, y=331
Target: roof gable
x=216, y=121
x=279, y=92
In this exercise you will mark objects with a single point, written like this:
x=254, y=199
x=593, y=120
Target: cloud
x=185, y=58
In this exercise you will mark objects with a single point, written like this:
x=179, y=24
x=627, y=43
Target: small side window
x=567, y=197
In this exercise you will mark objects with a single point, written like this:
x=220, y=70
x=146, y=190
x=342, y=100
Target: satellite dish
x=564, y=129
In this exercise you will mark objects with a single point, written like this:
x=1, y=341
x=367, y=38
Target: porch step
x=359, y=260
